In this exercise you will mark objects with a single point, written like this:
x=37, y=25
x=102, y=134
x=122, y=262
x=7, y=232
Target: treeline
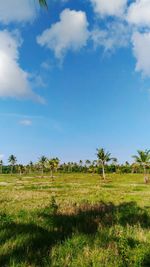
x=103, y=164
x=69, y=167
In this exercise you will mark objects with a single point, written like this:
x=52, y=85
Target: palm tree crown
x=103, y=157
x=143, y=157
x=12, y=160
x=42, y=160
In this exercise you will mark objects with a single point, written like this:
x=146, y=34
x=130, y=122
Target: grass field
x=75, y=220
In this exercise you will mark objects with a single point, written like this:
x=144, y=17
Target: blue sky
x=74, y=78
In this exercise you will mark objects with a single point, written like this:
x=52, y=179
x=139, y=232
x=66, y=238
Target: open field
x=75, y=220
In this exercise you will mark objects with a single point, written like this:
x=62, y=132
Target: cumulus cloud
x=17, y=11
x=109, y=7
x=139, y=13
x=14, y=81
x=70, y=33
x=26, y=122
x=141, y=50
x=115, y=35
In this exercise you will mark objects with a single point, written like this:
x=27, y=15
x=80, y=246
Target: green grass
x=76, y=220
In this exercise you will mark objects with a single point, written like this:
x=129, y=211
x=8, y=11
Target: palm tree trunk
x=11, y=169
x=145, y=177
x=51, y=173
x=103, y=172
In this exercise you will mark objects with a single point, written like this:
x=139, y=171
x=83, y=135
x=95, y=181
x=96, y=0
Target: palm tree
x=143, y=159
x=88, y=162
x=42, y=162
x=80, y=165
x=1, y=166
x=103, y=158
x=30, y=167
x=20, y=169
x=12, y=160
x=52, y=165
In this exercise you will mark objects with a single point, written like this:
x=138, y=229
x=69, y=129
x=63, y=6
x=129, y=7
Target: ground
x=74, y=220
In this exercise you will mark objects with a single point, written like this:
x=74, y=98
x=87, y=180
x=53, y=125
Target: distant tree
x=30, y=167
x=88, y=162
x=52, y=165
x=42, y=162
x=80, y=165
x=1, y=166
x=20, y=168
x=12, y=160
x=143, y=159
x=103, y=158
x=135, y=167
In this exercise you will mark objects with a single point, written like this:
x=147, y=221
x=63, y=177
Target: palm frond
x=43, y=3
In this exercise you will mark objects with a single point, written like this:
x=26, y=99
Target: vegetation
x=92, y=213
x=105, y=164
x=103, y=158
x=143, y=159
x=12, y=160
x=74, y=220
x=43, y=3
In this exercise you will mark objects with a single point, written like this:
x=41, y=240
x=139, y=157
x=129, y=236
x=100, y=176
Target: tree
x=30, y=167
x=143, y=159
x=103, y=158
x=42, y=162
x=20, y=169
x=80, y=165
x=52, y=165
x=1, y=166
x=88, y=162
x=12, y=160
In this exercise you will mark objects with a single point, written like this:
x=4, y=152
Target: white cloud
x=26, y=122
x=17, y=11
x=115, y=35
x=109, y=7
x=14, y=81
x=141, y=50
x=70, y=33
x=139, y=13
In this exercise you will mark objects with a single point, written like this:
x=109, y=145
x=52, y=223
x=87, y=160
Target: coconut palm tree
x=80, y=165
x=1, y=166
x=20, y=169
x=30, y=167
x=143, y=159
x=52, y=165
x=12, y=160
x=103, y=158
x=42, y=162
x=87, y=162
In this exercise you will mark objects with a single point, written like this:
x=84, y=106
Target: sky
x=74, y=78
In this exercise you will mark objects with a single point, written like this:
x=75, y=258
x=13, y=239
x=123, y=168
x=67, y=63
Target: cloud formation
x=115, y=35
x=109, y=7
x=141, y=50
x=139, y=13
x=14, y=81
x=17, y=11
x=26, y=122
x=70, y=33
